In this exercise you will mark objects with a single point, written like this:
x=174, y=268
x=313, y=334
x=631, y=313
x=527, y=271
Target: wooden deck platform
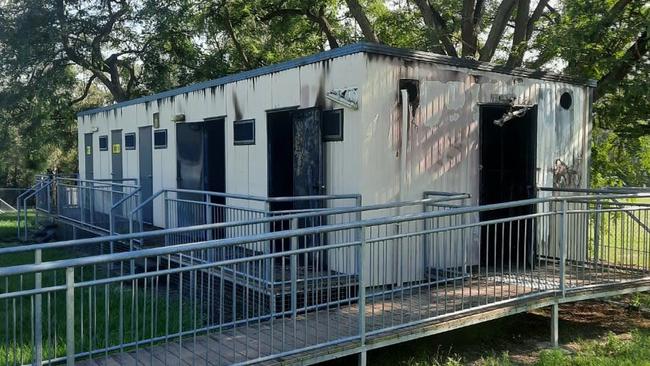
x=391, y=317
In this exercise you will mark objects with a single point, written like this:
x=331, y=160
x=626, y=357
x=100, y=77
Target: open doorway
x=295, y=166
x=508, y=167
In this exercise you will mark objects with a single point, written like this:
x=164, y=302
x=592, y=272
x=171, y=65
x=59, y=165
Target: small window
x=566, y=100
x=160, y=139
x=244, y=132
x=333, y=125
x=129, y=141
x=103, y=143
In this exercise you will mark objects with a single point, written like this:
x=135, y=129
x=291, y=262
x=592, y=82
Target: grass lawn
x=99, y=310
x=623, y=239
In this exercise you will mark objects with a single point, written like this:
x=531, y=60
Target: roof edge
x=373, y=48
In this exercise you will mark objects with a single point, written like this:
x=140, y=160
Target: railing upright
x=38, y=312
x=294, y=272
x=361, y=292
x=69, y=317
x=563, y=248
x=597, y=219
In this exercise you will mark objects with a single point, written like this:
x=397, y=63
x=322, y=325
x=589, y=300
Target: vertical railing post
x=563, y=248
x=208, y=215
x=361, y=250
x=111, y=218
x=294, y=270
x=269, y=228
x=82, y=201
x=38, y=313
x=25, y=218
x=18, y=216
x=599, y=207
x=166, y=213
x=69, y=316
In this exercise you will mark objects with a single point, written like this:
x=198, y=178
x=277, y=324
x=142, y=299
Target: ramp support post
x=554, y=325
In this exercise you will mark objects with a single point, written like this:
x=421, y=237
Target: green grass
x=104, y=314
x=8, y=227
x=623, y=241
x=612, y=351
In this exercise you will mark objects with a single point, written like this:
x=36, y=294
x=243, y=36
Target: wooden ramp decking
x=391, y=317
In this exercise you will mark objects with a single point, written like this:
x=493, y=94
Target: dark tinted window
x=333, y=125
x=244, y=132
x=103, y=143
x=129, y=141
x=160, y=139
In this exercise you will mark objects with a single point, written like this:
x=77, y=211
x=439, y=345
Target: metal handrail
x=43, y=185
x=208, y=244
x=212, y=226
x=409, y=295
x=166, y=231
x=102, y=182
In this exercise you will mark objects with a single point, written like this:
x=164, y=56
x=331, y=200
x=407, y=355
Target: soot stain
x=235, y=102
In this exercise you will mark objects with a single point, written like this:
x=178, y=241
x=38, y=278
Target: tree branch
x=537, y=14
x=635, y=53
x=83, y=96
x=437, y=27
x=231, y=33
x=320, y=19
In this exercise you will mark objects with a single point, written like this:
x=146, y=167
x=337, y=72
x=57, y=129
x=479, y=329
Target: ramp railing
x=37, y=198
x=372, y=285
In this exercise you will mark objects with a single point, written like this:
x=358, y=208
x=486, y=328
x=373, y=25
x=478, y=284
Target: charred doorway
x=508, y=165
x=295, y=168
x=201, y=166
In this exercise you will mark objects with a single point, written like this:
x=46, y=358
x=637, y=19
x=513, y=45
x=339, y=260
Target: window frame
x=126, y=145
x=105, y=138
x=333, y=138
x=240, y=122
x=165, y=133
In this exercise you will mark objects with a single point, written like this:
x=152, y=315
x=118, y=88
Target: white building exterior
x=443, y=144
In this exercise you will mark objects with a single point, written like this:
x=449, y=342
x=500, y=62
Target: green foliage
x=619, y=161
x=55, y=53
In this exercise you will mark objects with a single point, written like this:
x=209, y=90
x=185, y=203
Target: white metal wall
x=442, y=146
x=246, y=165
x=443, y=141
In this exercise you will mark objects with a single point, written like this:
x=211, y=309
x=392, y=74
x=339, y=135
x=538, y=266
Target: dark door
x=508, y=154
x=116, y=155
x=307, y=155
x=215, y=156
x=146, y=171
x=88, y=154
x=189, y=172
x=189, y=151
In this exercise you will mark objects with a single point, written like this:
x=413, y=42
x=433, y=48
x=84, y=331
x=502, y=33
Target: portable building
x=382, y=122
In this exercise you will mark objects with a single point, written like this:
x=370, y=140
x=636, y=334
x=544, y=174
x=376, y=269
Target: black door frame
x=530, y=236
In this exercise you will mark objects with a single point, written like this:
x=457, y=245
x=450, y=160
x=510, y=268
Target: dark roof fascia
x=372, y=48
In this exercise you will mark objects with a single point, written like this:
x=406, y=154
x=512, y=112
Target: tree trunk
x=504, y=11
x=360, y=16
x=326, y=28
x=471, y=16
x=519, y=40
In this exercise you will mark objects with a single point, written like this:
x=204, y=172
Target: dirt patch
x=521, y=336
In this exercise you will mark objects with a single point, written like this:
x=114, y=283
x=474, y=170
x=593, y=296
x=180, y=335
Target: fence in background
x=95, y=205
x=367, y=280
